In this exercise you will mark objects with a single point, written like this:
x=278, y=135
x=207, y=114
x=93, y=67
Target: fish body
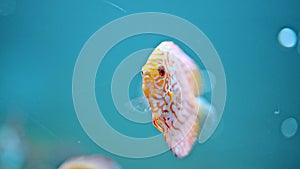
x=172, y=83
x=89, y=162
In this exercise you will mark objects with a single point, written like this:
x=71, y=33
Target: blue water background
x=40, y=42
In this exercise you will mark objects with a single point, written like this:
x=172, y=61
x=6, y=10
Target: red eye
x=161, y=70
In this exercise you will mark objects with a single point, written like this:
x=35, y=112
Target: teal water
x=41, y=40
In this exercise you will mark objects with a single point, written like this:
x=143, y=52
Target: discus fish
x=89, y=162
x=172, y=83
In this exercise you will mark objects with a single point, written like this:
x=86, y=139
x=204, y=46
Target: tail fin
x=209, y=120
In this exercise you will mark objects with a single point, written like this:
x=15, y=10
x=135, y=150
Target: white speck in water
x=78, y=141
x=289, y=127
x=287, y=37
x=276, y=112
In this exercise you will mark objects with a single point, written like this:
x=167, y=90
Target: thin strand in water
x=115, y=6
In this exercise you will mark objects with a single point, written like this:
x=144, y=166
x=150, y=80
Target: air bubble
x=287, y=37
x=289, y=127
x=276, y=112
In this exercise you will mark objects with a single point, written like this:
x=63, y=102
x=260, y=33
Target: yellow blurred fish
x=172, y=83
x=89, y=162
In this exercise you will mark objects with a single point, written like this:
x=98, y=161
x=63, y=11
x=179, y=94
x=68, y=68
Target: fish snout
x=146, y=91
x=146, y=86
x=159, y=124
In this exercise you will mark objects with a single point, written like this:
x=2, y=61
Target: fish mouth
x=159, y=124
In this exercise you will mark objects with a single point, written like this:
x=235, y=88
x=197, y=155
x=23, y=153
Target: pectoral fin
x=209, y=120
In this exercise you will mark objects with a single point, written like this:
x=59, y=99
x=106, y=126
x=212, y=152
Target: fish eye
x=142, y=72
x=161, y=70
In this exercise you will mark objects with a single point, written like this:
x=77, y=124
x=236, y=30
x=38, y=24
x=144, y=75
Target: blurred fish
x=12, y=154
x=90, y=162
x=172, y=83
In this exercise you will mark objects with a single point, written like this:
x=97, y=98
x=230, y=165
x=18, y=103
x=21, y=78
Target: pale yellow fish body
x=89, y=162
x=171, y=83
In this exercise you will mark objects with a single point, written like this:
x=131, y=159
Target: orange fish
x=172, y=83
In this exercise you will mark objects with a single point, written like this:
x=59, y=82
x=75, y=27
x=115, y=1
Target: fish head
x=161, y=87
x=163, y=92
